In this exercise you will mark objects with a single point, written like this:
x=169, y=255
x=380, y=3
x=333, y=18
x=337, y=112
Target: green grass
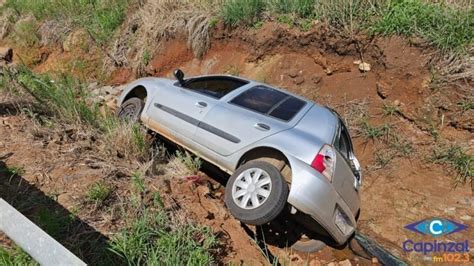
x=99, y=191
x=192, y=163
x=456, y=157
x=15, y=257
x=156, y=237
x=242, y=12
x=100, y=17
x=25, y=33
x=53, y=222
x=374, y=132
x=60, y=96
x=444, y=26
x=13, y=171
x=390, y=109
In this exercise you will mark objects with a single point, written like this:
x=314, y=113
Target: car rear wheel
x=308, y=245
x=256, y=193
x=131, y=109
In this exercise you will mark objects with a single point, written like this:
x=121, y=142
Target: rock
x=466, y=218
x=298, y=80
x=382, y=89
x=316, y=78
x=450, y=210
x=77, y=39
x=364, y=67
x=328, y=71
x=293, y=73
x=6, y=54
x=345, y=263
x=396, y=103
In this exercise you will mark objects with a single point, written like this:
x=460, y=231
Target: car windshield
x=269, y=101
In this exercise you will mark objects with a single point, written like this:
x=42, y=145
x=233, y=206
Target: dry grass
x=157, y=21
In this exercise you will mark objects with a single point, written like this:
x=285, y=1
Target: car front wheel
x=131, y=109
x=256, y=193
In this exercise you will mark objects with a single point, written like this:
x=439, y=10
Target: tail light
x=325, y=161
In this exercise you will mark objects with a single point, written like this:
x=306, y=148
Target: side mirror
x=179, y=75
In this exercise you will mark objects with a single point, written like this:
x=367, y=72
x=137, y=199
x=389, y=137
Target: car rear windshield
x=266, y=100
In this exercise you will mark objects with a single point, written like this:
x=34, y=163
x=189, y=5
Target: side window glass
x=259, y=99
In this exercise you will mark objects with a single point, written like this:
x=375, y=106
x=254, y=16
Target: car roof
x=250, y=84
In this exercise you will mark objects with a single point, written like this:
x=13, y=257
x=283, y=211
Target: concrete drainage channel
x=376, y=251
x=34, y=241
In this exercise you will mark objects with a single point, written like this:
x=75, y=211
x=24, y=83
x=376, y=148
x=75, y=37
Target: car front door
x=178, y=110
x=247, y=118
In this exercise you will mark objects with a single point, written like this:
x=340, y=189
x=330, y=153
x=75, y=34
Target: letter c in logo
x=436, y=227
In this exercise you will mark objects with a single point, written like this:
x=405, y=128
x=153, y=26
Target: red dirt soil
x=318, y=65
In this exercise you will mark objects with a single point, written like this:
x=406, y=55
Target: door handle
x=201, y=104
x=261, y=126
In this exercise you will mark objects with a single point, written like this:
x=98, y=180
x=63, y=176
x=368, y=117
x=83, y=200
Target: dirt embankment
x=395, y=116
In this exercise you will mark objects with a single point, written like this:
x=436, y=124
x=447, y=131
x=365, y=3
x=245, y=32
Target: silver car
x=281, y=150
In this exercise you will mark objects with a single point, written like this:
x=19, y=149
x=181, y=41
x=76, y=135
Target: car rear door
x=232, y=125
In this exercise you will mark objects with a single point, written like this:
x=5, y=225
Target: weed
x=146, y=57
x=446, y=27
x=25, y=33
x=257, y=25
x=14, y=257
x=390, y=109
x=247, y=12
x=466, y=105
x=401, y=146
x=126, y=139
x=13, y=171
x=138, y=182
x=374, y=132
x=99, y=191
x=192, y=163
x=286, y=19
x=213, y=22
x=233, y=70
x=382, y=159
x=456, y=157
x=305, y=24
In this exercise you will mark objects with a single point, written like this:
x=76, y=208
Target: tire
x=308, y=245
x=270, y=196
x=131, y=109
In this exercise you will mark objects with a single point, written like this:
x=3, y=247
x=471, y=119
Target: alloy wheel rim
x=251, y=188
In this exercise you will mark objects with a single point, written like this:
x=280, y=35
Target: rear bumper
x=312, y=194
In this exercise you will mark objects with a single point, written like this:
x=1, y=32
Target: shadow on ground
x=73, y=233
